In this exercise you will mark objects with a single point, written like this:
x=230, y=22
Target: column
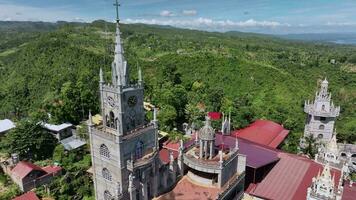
x=206, y=149
x=131, y=188
x=201, y=149
x=211, y=150
x=144, y=191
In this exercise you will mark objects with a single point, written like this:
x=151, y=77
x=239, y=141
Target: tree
x=29, y=140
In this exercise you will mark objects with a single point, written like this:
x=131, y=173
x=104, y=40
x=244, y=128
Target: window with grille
x=107, y=195
x=106, y=174
x=104, y=151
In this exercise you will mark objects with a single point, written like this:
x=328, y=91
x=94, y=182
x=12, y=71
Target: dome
x=207, y=132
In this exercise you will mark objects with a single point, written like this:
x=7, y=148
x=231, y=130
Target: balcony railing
x=147, y=159
x=333, y=112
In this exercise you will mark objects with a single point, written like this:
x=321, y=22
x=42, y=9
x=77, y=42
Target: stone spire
x=120, y=73
x=332, y=145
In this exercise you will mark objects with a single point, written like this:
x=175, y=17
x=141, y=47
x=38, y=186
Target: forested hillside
x=186, y=74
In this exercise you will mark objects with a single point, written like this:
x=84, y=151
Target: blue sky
x=263, y=16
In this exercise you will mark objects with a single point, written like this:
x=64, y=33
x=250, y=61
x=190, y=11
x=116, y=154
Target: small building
x=27, y=196
x=5, y=126
x=72, y=143
x=60, y=131
x=28, y=176
x=263, y=132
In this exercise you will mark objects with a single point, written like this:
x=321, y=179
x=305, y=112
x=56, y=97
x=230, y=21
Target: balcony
x=310, y=109
x=146, y=160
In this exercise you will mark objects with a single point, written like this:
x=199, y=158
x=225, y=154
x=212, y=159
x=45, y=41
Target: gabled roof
x=27, y=196
x=56, y=128
x=290, y=178
x=263, y=132
x=22, y=169
x=6, y=125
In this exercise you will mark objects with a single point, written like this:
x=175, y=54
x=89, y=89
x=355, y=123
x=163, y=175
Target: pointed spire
x=101, y=75
x=120, y=69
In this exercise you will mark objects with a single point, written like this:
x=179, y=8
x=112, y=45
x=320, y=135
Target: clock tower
x=124, y=148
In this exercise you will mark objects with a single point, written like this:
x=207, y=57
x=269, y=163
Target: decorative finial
x=90, y=123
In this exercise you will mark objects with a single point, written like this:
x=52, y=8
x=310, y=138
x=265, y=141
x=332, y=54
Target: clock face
x=132, y=101
x=111, y=101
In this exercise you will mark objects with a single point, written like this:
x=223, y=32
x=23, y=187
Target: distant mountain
x=338, y=38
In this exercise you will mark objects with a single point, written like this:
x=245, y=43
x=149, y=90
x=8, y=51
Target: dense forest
x=54, y=68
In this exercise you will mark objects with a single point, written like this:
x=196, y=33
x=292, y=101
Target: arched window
x=106, y=174
x=107, y=195
x=321, y=127
x=320, y=136
x=323, y=107
x=139, y=149
x=104, y=151
x=112, y=120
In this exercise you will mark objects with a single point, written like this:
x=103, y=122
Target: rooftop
x=72, y=143
x=263, y=132
x=290, y=178
x=188, y=189
x=22, y=169
x=349, y=192
x=57, y=128
x=6, y=125
x=27, y=196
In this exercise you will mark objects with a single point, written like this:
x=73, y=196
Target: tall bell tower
x=124, y=148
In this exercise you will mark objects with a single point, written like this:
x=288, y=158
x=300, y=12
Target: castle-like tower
x=322, y=114
x=124, y=149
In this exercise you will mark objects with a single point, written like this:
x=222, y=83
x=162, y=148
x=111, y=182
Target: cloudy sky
x=263, y=16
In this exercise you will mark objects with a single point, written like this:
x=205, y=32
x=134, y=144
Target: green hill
x=186, y=73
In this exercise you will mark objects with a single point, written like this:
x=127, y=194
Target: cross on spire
x=117, y=5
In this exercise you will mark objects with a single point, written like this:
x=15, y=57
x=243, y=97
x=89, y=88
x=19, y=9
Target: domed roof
x=207, y=132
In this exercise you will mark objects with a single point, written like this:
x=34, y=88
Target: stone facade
x=321, y=115
x=124, y=149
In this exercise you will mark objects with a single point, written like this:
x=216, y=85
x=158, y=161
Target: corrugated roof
x=72, y=143
x=349, y=192
x=27, y=196
x=290, y=178
x=188, y=190
x=6, y=125
x=263, y=132
x=23, y=168
x=57, y=128
x=52, y=169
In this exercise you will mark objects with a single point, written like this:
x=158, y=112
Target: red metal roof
x=23, y=168
x=290, y=178
x=214, y=115
x=186, y=189
x=263, y=132
x=27, y=196
x=52, y=169
x=349, y=192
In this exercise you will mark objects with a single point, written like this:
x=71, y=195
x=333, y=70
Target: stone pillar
x=155, y=180
x=144, y=191
x=131, y=188
x=211, y=149
x=172, y=167
x=201, y=149
x=205, y=149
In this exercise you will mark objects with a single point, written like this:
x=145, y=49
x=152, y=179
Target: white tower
x=321, y=115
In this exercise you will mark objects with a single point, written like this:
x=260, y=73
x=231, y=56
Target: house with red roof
x=28, y=176
x=263, y=132
x=27, y=196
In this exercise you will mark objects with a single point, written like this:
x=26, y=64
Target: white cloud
x=166, y=13
x=210, y=24
x=189, y=12
x=11, y=12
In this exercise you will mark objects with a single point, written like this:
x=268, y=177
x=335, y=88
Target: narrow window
x=106, y=174
x=107, y=195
